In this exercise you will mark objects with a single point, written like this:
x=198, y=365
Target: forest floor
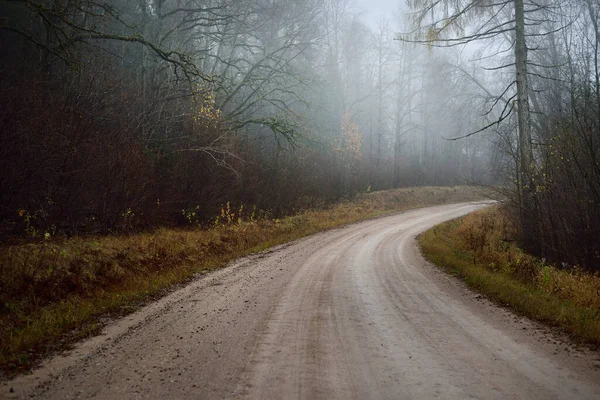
x=56, y=292
x=481, y=249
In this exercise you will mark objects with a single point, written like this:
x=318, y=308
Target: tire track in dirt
x=349, y=313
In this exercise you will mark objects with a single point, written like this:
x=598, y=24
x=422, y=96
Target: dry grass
x=480, y=249
x=54, y=292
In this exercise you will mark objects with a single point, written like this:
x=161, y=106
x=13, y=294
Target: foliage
x=568, y=194
x=348, y=144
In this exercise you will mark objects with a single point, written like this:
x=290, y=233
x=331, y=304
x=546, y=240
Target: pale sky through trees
x=374, y=10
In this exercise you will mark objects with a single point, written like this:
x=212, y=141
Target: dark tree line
x=132, y=114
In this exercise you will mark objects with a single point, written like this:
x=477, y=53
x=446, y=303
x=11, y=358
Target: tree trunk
x=526, y=183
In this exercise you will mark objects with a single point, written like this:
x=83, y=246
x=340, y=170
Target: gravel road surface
x=350, y=313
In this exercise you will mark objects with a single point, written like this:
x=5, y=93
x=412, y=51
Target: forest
x=122, y=116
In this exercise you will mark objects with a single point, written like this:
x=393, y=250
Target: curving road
x=350, y=313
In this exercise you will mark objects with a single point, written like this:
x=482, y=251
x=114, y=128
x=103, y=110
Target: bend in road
x=350, y=313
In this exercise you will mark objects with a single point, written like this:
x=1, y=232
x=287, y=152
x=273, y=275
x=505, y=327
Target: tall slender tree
x=446, y=24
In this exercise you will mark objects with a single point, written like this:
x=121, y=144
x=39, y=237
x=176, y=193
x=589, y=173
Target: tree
x=449, y=30
x=116, y=108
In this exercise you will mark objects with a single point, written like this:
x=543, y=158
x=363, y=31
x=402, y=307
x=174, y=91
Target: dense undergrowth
x=480, y=248
x=56, y=291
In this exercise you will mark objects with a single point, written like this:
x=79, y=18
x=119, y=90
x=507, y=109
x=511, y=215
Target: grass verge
x=55, y=292
x=480, y=249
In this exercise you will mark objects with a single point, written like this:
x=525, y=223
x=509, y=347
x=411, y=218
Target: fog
x=373, y=12
x=116, y=107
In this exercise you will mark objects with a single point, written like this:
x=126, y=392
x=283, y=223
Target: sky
x=374, y=10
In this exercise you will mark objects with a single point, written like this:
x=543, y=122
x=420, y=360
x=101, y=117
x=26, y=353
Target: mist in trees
x=124, y=115
x=542, y=98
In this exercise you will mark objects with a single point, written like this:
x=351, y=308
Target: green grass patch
x=480, y=250
x=55, y=292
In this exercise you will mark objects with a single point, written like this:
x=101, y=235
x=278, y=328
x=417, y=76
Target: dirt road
x=350, y=313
